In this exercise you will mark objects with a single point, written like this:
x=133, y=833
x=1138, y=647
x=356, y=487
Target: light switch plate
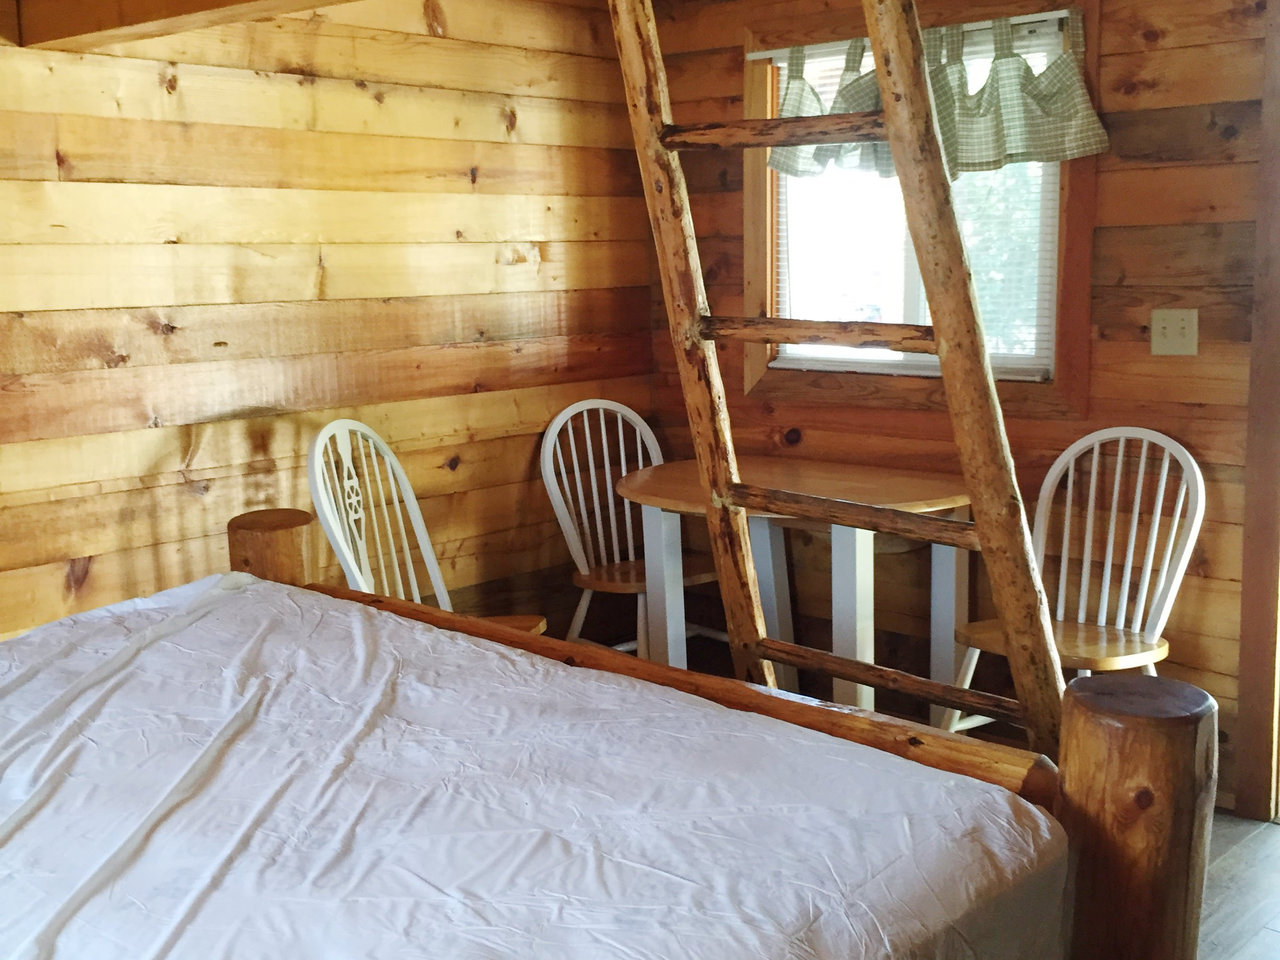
x=1175, y=333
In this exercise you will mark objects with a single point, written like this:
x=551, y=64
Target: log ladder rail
x=999, y=527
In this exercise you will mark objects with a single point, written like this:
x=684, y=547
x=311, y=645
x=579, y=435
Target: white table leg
x=769, y=552
x=949, y=607
x=853, y=631
x=664, y=586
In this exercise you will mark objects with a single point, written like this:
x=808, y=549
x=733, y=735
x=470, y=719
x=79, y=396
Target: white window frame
x=1030, y=37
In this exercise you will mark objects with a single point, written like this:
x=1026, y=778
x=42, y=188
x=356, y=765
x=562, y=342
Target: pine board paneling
x=1201, y=134
x=69, y=277
x=314, y=48
x=1126, y=370
x=42, y=81
x=129, y=213
x=44, y=469
x=63, y=341
x=30, y=596
x=1222, y=193
x=1124, y=313
x=110, y=401
x=202, y=262
x=141, y=151
x=78, y=25
x=1131, y=25
x=28, y=144
x=513, y=23
x=1215, y=255
x=1181, y=76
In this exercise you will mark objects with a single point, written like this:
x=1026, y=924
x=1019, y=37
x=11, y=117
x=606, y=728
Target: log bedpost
x=279, y=545
x=1138, y=771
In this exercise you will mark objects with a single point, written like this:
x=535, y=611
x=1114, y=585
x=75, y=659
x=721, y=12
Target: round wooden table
x=670, y=489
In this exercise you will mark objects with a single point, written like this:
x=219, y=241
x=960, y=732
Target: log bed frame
x=1134, y=790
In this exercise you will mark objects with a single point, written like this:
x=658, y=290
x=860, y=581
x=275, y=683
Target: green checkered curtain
x=858, y=93
x=799, y=99
x=1016, y=117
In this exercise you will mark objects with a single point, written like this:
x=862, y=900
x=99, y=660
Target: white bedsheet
x=239, y=769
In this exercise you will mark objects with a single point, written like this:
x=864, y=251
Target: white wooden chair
x=370, y=515
x=586, y=450
x=1123, y=503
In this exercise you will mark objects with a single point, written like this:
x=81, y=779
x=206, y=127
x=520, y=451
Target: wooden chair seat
x=628, y=575
x=1082, y=646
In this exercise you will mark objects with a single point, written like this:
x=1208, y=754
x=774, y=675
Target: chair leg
x=1149, y=669
x=964, y=677
x=579, y=615
x=642, y=626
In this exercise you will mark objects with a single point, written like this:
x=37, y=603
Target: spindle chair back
x=586, y=450
x=1115, y=524
x=370, y=514
x=1132, y=499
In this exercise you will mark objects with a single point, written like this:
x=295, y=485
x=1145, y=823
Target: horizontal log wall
x=1179, y=88
x=213, y=243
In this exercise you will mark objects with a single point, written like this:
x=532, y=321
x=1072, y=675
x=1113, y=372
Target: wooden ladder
x=999, y=527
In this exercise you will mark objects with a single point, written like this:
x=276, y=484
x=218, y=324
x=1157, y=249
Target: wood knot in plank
x=434, y=16
x=77, y=574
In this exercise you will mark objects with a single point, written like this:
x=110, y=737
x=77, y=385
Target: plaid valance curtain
x=1016, y=116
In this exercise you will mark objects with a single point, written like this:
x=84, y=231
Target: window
x=838, y=243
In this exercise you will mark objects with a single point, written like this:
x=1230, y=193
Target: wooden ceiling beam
x=83, y=25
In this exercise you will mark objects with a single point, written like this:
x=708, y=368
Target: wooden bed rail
x=1135, y=793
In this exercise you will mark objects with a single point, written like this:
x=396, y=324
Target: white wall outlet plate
x=1175, y=333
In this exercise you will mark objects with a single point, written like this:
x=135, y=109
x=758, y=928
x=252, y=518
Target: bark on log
x=667, y=196
x=976, y=420
x=1139, y=776
x=277, y=545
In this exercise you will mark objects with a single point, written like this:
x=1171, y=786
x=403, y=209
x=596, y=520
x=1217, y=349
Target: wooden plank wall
x=213, y=243
x=1180, y=84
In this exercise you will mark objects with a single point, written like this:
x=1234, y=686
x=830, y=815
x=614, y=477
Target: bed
x=240, y=768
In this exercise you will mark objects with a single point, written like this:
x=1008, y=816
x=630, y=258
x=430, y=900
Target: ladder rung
x=775, y=132
x=886, y=678
x=906, y=337
x=846, y=513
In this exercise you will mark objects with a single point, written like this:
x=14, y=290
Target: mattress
x=237, y=769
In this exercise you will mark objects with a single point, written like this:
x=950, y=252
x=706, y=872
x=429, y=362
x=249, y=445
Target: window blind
x=842, y=252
